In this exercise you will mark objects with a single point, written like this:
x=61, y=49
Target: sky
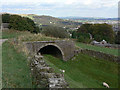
x=62, y=8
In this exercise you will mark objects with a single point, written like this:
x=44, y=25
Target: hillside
x=49, y=20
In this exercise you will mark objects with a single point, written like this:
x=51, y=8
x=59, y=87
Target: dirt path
x=2, y=40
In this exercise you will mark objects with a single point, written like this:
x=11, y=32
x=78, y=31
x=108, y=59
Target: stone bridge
x=62, y=49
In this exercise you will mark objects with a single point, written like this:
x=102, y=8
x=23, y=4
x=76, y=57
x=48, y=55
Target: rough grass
x=86, y=72
x=98, y=48
x=11, y=33
x=35, y=37
x=15, y=71
x=25, y=36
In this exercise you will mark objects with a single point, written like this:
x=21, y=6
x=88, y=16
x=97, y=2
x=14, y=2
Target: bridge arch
x=51, y=49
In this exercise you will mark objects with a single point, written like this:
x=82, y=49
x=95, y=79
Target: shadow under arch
x=53, y=50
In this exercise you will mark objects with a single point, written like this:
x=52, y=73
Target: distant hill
x=87, y=18
x=49, y=20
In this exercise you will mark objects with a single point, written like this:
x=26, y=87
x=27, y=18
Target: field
x=97, y=48
x=86, y=71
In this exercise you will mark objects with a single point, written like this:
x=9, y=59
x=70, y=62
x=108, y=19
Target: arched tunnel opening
x=51, y=50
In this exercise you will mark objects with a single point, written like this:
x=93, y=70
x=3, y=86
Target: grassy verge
x=86, y=71
x=98, y=48
x=15, y=71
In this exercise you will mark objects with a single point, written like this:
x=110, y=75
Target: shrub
x=55, y=32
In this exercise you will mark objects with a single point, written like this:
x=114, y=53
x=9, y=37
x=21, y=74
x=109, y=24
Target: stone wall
x=98, y=55
x=44, y=75
x=116, y=46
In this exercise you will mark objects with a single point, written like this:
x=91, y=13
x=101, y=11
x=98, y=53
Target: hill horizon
x=63, y=17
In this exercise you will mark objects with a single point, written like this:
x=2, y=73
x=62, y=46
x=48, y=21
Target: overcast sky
x=62, y=8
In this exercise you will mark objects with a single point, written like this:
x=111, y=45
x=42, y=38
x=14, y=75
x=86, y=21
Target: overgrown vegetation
x=86, y=72
x=55, y=32
x=15, y=69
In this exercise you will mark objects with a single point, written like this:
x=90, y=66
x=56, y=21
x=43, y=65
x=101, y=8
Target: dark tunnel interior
x=52, y=50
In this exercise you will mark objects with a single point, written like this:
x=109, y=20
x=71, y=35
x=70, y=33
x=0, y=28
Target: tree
x=102, y=31
x=84, y=28
x=84, y=37
x=98, y=32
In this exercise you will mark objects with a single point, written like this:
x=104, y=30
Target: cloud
x=62, y=7
x=106, y=3
x=24, y=9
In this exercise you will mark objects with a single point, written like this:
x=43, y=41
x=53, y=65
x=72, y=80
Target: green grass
x=86, y=71
x=98, y=48
x=15, y=71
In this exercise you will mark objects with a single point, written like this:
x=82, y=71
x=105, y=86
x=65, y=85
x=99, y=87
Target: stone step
x=44, y=69
x=54, y=75
x=58, y=75
x=41, y=61
x=47, y=75
x=54, y=86
x=41, y=65
x=55, y=80
x=38, y=57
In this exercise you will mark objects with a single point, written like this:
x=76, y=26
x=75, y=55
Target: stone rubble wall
x=115, y=46
x=99, y=55
x=44, y=75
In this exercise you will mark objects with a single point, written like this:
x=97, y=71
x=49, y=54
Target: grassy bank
x=15, y=71
x=86, y=71
x=98, y=48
